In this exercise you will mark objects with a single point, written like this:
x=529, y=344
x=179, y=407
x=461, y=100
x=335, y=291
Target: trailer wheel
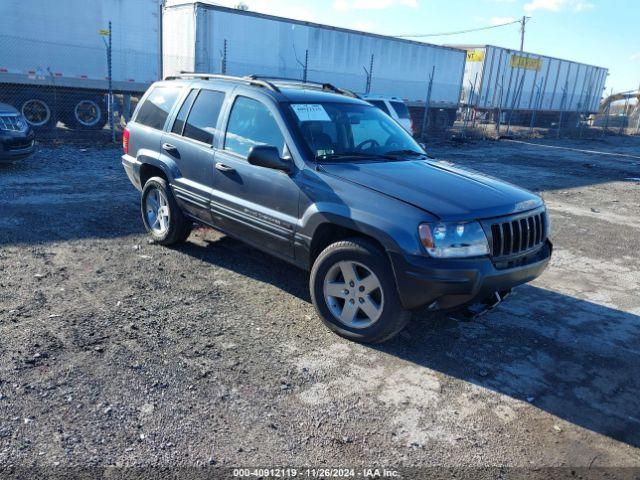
x=38, y=110
x=86, y=113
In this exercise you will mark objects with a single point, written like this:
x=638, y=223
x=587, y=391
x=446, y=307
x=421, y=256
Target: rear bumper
x=452, y=283
x=132, y=169
x=16, y=145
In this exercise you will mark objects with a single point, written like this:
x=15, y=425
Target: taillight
x=125, y=140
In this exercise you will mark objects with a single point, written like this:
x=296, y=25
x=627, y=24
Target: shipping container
x=205, y=38
x=499, y=79
x=53, y=54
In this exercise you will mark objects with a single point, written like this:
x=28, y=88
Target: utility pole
x=109, y=46
x=523, y=24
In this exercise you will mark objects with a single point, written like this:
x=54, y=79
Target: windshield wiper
x=407, y=153
x=347, y=155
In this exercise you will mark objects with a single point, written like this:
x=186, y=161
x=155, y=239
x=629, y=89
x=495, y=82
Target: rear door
x=256, y=204
x=190, y=142
x=145, y=131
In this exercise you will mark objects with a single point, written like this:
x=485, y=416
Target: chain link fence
x=65, y=89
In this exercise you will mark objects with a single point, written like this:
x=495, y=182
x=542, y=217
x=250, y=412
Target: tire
x=327, y=278
x=172, y=227
x=86, y=112
x=38, y=109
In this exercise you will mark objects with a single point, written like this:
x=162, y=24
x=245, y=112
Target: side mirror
x=268, y=157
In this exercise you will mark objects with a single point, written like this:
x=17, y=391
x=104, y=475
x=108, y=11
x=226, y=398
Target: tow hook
x=473, y=311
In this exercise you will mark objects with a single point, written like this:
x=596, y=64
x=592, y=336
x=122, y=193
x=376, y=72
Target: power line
x=459, y=32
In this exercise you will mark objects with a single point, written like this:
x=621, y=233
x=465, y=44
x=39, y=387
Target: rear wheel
x=86, y=113
x=353, y=290
x=161, y=215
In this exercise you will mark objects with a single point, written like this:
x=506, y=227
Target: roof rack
x=212, y=76
x=266, y=82
x=294, y=82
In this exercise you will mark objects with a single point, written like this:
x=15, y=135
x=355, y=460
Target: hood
x=450, y=193
x=4, y=108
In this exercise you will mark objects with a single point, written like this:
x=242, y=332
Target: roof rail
x=294, y=82
x=213, y=76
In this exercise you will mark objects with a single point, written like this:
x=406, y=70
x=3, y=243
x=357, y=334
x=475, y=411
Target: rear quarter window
x=155, y=109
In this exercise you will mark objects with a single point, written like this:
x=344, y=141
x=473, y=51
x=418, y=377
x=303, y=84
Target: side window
x=381, y=105
x=251, y=123
x=155, y=109
x=203, y=118
x=401, y=109
x=178, y=125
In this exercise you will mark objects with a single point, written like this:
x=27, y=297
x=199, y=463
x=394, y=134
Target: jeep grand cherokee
x=317, y=177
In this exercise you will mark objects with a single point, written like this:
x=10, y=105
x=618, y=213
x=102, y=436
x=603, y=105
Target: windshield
x=337, y=131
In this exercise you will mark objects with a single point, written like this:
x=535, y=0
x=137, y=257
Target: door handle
x=167, y=147
x=224, y=168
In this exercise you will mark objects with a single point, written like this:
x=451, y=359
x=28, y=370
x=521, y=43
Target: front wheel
x=161, y=215
x=39, y=109
x=353, y=290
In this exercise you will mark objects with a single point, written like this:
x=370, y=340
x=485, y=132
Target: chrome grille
x=11, y=122
x=517, y=235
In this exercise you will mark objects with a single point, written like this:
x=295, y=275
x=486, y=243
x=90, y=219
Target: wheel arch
x=334, y=228
x=166, y=169
x=148, y=171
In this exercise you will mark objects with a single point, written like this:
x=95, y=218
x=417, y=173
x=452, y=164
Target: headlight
x=454, y=240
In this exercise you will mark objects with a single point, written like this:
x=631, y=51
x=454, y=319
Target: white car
x=394, y=107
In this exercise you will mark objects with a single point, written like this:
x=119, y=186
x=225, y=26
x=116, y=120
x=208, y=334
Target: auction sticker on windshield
x=310, y=112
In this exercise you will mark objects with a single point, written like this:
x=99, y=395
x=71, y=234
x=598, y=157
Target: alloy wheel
x=353, y=294
x=157, y=211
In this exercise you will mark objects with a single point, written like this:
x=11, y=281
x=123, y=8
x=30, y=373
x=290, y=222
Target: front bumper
x=16, y=145
x=444, y=284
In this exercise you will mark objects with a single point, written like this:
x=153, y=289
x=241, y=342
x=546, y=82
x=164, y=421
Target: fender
x=367, y=223
x=161, y=161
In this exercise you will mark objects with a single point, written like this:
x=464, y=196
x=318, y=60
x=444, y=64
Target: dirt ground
x=117, y=352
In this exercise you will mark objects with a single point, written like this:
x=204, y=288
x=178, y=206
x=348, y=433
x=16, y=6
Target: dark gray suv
x=321, y=179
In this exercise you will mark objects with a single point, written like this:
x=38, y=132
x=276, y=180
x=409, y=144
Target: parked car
x=327, y=182
x=394, y=107
x=17, y=140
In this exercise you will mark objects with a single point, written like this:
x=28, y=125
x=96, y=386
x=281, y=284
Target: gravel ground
x=117, y=352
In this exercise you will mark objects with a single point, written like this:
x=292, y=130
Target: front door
x=255, y=204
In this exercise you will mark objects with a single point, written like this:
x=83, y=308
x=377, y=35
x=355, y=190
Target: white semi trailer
x=525, y=88
x=53, y=57
x=205, y=38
